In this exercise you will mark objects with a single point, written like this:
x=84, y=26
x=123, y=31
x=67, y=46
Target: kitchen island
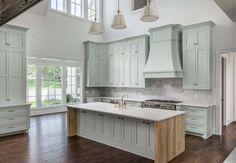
x=151, y=133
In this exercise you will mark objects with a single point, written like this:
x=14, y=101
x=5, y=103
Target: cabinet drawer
x=13, y=128
x=12, y=120
x=194, y=128
x=13, y=111
x=195, y=112
x=194, y=120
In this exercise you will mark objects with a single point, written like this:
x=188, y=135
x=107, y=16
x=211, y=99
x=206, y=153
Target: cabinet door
x=3, y=90
x=3, y=62
x=140, y=135
x=202, y=35
x=91, y=122
x=92, y=75
x=189, y=60
x=127, y=70
x=111, y=71
x=202, y=71
x=128, y=131
x=150, y=135
x=190, y=39
x=116, y=70
x=122, y=70
x=83, y=121
x=102, y=72
x=108, y=126
x=16, y=77
x=117, y=129
x=16, y=40
x=100, y=124
x=134, y=70
x=3, y=38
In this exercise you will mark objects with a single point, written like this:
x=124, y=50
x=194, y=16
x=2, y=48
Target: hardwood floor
x=47, y=143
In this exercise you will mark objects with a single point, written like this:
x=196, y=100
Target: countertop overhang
x=133, y=112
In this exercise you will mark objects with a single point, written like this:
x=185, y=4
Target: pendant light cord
x=95, y=19
x=118, y=6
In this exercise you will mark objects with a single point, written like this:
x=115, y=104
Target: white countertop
x=133, y=112
x=15, y=105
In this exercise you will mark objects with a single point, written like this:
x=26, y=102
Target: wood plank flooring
x=47, y=143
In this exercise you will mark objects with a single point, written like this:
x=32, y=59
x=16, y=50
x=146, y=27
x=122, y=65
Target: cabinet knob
x=196, y=43
x=136, y=83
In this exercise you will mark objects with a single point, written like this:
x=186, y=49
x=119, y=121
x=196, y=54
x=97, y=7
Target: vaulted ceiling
x=229, y=7
x=9, y=9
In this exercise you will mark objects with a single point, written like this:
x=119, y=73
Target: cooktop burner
x=161, y=104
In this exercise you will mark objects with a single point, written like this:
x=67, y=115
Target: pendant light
x=149, y=13
x=119, y=21
x=95, y=28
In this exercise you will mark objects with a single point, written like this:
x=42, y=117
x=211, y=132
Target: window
x=137, y=4
x=51, y=89
x=91, y=10
x=59, y=5
x=52, y=83
x=76, y=8
x=73, y=85
x=86, y=9
x=31, y=84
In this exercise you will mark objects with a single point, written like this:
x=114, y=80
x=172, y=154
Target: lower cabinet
x=198, y=120
x=132, y=135
x=14, y=120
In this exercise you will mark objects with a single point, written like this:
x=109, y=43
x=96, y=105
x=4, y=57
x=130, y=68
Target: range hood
x=165, y=57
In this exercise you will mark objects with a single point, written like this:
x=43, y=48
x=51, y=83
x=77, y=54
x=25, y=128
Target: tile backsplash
x=170, y=89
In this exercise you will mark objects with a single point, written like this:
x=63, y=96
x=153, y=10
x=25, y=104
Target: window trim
x=131, y=4
x=84, y=11
x=44, y=61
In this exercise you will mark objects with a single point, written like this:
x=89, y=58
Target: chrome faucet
x=121, y=103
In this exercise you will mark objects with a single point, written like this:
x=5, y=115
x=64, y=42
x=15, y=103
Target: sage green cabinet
x=197, y=56
x=117, y=64
x=96, y=64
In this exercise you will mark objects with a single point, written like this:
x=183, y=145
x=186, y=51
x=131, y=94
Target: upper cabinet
x=12, y=65
x=120, y=63
x=197, y=56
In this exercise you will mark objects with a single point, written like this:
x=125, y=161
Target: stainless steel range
x=161, y=104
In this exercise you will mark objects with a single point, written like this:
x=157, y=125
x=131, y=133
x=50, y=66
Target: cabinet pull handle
x=144, y=122
x=8, y=44
x=136, y=83
x=11, y=111
x=11, y=119
x=11, y=127
x=84, y=112
x=196, y=43
x=8, y=99
x=136, y=51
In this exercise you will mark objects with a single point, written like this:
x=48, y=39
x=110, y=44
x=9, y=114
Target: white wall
x=52, y=34
x=183, y=12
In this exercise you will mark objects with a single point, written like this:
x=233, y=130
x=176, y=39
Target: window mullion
x=64, y=83
x=85, y=8
x=68, y=7
x=38, y=86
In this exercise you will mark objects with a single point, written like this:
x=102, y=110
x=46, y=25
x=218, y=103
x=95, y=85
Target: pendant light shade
x=95, y=28
x=119, y=20
x=150, y=12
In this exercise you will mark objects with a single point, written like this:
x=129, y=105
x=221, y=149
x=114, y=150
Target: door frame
x=218, y=87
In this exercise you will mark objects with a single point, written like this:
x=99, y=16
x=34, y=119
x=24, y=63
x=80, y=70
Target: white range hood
x=165, y=57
